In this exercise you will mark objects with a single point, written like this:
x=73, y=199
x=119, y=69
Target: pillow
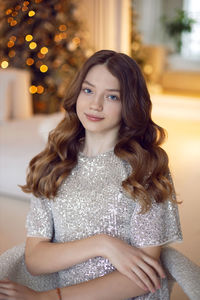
x=5, y=98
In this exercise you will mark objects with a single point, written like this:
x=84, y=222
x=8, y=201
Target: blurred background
x=42, y=45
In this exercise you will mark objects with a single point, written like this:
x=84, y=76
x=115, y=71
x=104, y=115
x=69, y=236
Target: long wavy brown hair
x=138, y=143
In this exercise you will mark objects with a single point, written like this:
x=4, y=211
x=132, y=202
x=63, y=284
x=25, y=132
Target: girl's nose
x=97, y=103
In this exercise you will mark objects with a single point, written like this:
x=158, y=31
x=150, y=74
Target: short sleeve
x=39, y=222
x=159, y=226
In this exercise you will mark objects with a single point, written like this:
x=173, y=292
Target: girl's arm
x=42, y=256
x=113, y=286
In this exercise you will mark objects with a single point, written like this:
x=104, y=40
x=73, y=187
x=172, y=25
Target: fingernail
x=158, y=287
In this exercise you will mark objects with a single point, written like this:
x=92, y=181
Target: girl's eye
x=87, y=90
x=113, y=97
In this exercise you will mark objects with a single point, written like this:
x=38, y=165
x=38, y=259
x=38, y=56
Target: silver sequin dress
x=91, y=201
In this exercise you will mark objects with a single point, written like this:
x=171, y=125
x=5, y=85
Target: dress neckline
x=103, y=154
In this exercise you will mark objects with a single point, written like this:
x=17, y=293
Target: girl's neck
x=95, y=144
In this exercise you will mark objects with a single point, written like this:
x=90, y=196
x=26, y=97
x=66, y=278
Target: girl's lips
x=93, y=118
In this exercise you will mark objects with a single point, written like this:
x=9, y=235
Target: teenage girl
x=103, y=200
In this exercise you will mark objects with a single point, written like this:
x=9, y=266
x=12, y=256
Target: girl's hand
x=134, y=263
x=14, y=291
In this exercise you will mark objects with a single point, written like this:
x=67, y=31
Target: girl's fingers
x=132, y=276
x=155, y=264
x=150, y=272
x=144, y=278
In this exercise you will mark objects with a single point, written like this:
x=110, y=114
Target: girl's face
x=98, y=105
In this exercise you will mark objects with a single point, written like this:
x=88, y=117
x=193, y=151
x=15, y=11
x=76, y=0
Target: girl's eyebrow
x=111, y=90
x=85, y=81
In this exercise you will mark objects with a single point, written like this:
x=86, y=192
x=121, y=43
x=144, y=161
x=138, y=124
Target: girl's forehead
x=100, y=74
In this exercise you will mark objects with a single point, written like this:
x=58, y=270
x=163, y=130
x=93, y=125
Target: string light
x=40, y=89
x=57, y=38
x=13, y=23
x=33, y=89
x=40, y=55
x=18, y=7
x=44, y=50
x=9, y=11
x=10, y=19
x=63, y=35
x=10, y=44
x=13, y=38
x=62, y=27
x=15, y=13
x=4, y=64
x=30, y=61
x=24, y=8
x=31, y=13
x=76, y=41
x=43, y=68
x=28, y=37
x=32, y=45
x=36, y=89
x=12, y=53
x=26, y=3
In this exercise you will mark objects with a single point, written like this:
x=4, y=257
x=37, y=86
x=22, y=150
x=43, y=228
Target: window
x=191, y=41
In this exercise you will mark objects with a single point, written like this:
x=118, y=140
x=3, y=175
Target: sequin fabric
x=91, y=201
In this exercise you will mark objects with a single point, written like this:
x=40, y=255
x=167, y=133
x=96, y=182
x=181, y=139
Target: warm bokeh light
x=15, y=13
x=44, y=50
x=26, y=3
x=63, y=27
x=28, y=37
x=13, y=38
x=32, y=45
x=25, y=8
x=40, y=55
x=18, y=7
x=38, y=1
x=4, y=64
x=12, y=53
x=10, y=19
x=57, y=38
x=76, y=41
x=10, y=44
x=30, y=61
x=63, y=35
x=33, y=89
x=8, y=11
x=31, y=13
x=13, y=23
x=40, y=89
x=43, y=68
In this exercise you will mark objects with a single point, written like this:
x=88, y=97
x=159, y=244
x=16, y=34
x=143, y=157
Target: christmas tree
x=45, y=37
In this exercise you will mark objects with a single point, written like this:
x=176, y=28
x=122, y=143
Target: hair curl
x=138, y=142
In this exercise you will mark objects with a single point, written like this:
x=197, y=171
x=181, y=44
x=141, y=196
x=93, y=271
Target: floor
x=183, y=148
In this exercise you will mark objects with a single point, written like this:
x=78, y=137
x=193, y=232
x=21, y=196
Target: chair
x=179, y=268
x=183, y=271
